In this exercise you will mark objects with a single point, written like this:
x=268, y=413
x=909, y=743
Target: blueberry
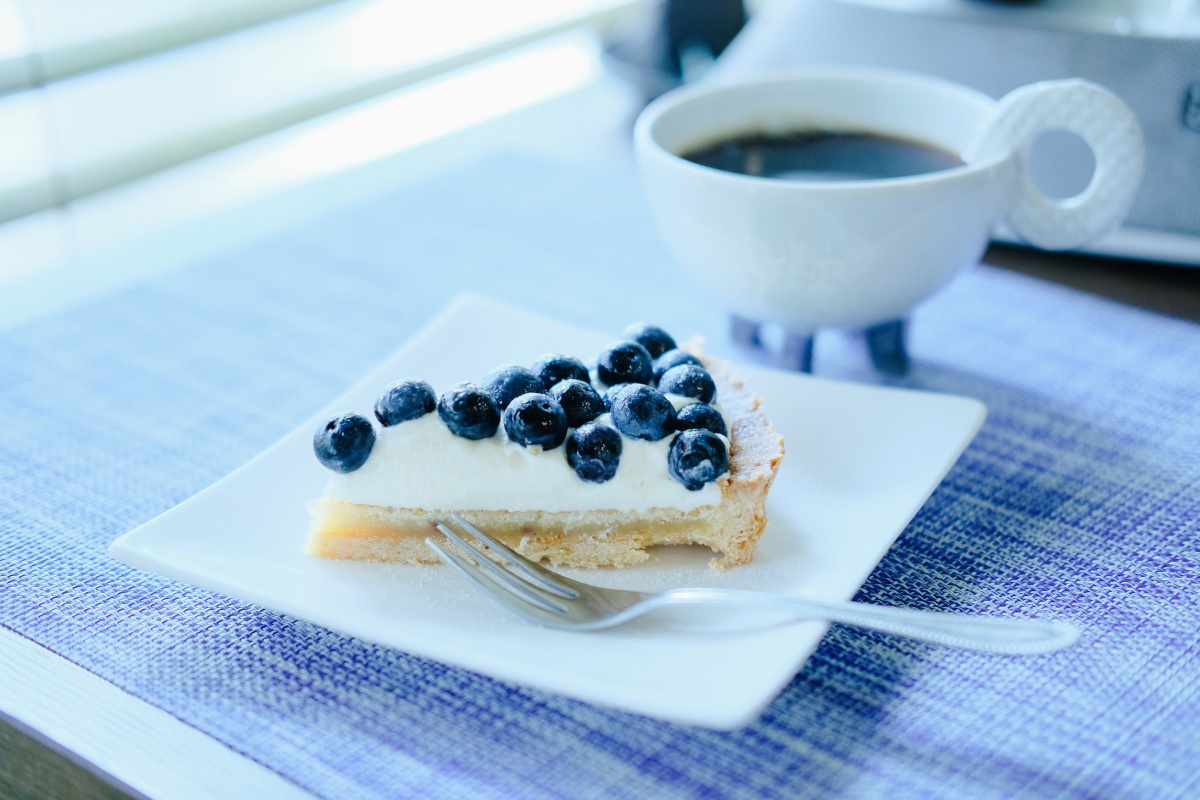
x=690, y=381
x=624, y=362
x=642, y=412
x=536, y=419
x=343, y=443
x=700, y=415
x=554, y=368
x=469, y=411
x=697, y=457
x=510, y=381
x=654, y=339
x=403, y=401
x=611, y=392
x=579, y=399
x=673, y=358
x=593, y=451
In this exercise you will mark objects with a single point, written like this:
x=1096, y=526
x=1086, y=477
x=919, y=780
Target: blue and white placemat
x=1078, y=500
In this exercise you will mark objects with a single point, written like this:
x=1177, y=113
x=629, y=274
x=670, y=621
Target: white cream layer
x=421, y=464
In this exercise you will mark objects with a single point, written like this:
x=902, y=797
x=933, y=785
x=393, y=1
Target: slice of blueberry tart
x=579, y=465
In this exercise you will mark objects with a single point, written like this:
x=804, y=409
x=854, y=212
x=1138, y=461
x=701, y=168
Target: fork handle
x=989, y=634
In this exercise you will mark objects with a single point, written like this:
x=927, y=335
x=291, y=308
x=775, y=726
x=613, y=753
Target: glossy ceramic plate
x=860, y=461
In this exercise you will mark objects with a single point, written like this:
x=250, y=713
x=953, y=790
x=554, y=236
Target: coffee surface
x=823, y=156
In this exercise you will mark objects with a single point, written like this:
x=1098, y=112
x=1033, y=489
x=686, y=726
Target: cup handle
x=1098, y=117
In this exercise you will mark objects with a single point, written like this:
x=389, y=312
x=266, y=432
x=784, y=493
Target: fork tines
x=526, y=579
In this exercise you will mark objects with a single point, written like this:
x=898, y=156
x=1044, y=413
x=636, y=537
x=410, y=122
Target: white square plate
x=860, y=461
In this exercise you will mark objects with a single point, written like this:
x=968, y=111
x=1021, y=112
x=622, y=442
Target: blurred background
x=104, y=103
x=125, y=118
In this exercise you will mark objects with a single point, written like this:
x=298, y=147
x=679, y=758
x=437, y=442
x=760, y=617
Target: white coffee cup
x=854, y=254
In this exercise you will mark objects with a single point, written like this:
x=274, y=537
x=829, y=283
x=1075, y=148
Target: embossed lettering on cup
x=861, y=254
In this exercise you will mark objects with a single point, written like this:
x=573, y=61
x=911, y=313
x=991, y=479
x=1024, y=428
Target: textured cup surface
x=813, y=254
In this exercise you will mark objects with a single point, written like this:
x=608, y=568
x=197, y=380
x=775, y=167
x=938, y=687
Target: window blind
x=97, y=93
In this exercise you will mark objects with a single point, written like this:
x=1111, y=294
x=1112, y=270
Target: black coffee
x=824, y=156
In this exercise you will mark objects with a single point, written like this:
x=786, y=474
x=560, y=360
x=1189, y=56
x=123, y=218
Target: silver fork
x=555, y=601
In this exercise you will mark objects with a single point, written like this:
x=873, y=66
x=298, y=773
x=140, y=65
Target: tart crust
x=592, y=538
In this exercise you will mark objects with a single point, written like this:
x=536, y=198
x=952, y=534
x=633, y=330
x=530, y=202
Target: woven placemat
x=1077, y=500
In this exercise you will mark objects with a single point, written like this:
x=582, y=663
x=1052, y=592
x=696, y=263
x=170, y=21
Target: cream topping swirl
x=421, y=464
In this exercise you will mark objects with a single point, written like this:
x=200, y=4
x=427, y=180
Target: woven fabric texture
x=1077, y=500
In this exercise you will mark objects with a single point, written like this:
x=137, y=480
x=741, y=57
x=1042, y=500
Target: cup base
x=885, y=344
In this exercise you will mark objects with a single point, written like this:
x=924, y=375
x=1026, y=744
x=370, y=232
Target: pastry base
x=563, y=538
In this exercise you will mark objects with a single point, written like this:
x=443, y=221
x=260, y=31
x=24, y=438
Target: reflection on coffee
x=823, y=156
